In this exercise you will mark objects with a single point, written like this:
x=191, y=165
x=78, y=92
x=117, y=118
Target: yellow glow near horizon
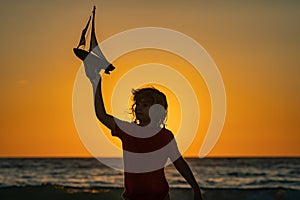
x=140, y=57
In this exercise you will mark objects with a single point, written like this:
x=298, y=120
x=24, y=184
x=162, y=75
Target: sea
x=83, y=174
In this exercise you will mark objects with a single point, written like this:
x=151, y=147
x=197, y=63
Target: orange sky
x=255, y=46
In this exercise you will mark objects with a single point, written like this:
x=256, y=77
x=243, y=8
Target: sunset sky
x=255, y=45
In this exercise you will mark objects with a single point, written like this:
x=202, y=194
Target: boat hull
x=93, y=61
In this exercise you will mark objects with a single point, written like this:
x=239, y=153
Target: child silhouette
x=146, y=143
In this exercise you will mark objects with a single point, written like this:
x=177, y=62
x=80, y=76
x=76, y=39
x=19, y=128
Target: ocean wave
x=245, y=174
x=80, y=188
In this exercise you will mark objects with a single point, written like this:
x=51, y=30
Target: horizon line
x=188, y=157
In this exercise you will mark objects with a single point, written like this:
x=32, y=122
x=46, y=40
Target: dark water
x=211, y=173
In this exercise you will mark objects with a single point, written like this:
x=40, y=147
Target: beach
x=46, y=192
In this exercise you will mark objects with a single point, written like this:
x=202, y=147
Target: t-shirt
x=144, y=160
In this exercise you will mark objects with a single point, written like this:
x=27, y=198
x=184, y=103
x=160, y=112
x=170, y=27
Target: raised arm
x=100, y=110
x=186, y=172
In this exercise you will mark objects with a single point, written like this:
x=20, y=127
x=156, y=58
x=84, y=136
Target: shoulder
x=167, y=133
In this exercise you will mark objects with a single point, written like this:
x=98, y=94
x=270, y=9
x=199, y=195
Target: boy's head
x=149, y=105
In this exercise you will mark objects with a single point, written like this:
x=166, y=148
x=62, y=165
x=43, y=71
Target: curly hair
x=158, y=98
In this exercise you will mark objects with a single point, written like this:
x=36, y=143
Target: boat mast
x=93, y=42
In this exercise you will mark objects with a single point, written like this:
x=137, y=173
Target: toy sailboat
x=93, y=59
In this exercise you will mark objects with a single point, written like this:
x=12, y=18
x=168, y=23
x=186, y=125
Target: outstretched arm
x=186, y=172
x=100, y=110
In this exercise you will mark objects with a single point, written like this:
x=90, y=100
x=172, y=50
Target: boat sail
x=82, y=38
x=93, y=59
